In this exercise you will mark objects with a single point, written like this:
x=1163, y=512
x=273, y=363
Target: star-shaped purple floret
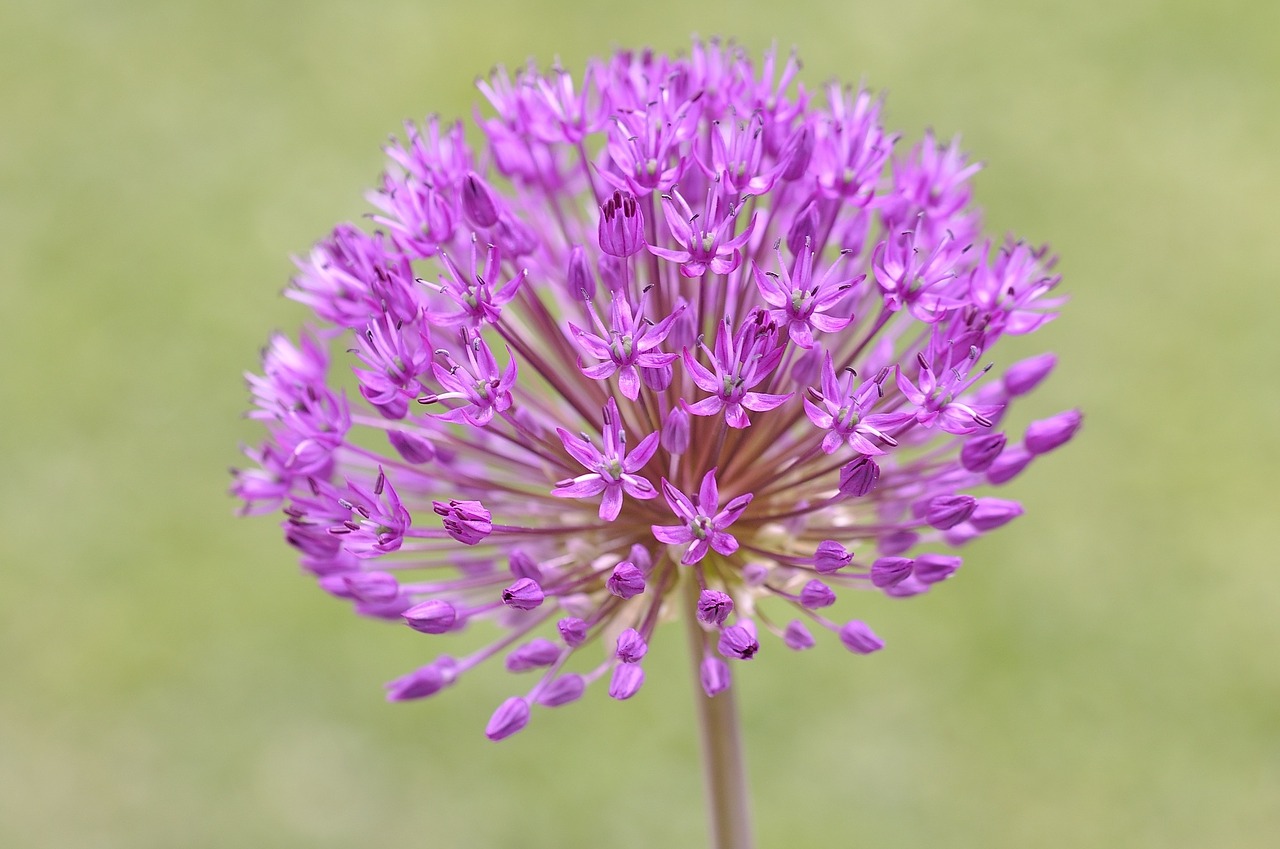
x=613, y=470
x=703, y=523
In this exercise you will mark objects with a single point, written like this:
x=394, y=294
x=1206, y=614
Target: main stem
x=724, y=771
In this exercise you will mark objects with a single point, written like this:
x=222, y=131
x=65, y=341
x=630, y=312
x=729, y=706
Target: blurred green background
x=1103, y=673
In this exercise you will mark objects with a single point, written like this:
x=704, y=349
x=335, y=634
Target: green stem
x=724, y=771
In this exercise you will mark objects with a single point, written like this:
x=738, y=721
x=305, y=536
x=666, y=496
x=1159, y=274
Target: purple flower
x=794, y=320
x=704, y=523
x=798, y=303
x=613, y=471
x=629, y=347
x=844, y=413
x=621, y=229
x=739, y=362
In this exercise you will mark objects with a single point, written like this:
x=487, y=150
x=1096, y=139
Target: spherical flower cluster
x=679, y=338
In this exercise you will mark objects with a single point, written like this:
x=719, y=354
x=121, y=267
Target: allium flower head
x=679, y=339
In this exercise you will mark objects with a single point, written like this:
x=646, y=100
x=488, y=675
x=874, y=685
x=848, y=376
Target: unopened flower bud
x=739, y=641
x=859, y=638
x=573, y=631
x=797, y=636
x=627, y=680
x=621, y=225
x=626, y=581
x=524, y=594
x=714, y=674
x=478, y=202
x=563, y=690
x=675, y=431
x=947, y=511
x=535, y=654
x=413, y=447
x=524, y=566
x=1047, y=434
x=992, y=513
x=888, y=571
x=981, y=450
x=932, y=568
x=797, y=154
x=424, y=681
x=582, y=283
x=858, y=477
x=1009, y=464
x=714, y=607
x=816, y=594
x=434, y=616
x=510, y=717
x=1025, y=375
x=631, y=646
x=804, y=227
x=372, y=587
x=831, y=556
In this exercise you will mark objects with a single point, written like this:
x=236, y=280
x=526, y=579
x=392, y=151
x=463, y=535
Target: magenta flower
x=679, y=270
x=613, y=470
x=703, y=523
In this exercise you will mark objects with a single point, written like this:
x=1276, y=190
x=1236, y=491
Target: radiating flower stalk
x=678, y=339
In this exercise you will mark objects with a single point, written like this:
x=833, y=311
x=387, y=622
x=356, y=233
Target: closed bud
x=804, y=227
x=816, y=594
x=631, y=646
x=424, y=681
x=524, y=566
x=1047, y=434
x=510, y=717
x=947, y=511
x=478, y=202
x=1009, y=464
x=714, y=607
x=981, y=450
x=573, y=631
x=627, y=680
x=797, y=154
x=627, y=581
x=932, y=568
x=563, y=690
x=433, y=616
x=657, y=378
x=807, y=366
x=906, y=588
x=613, y=273
x=621, y=225
x=1025, y=375
x=888, y=571
x=524, y=594
x=859, y=638
x=534, y=654
x=991, y=513
x=640, y=556
x=797, y=636
x=582, y=283
x=897, y=542
x=858, y=477
x=675, y=431
x=831, y=556
x=412, y=447
x=372, y=587
x=714, y=674
x=739, y=641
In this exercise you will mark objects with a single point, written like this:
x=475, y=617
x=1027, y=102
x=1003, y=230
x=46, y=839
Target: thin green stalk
x=724, y=769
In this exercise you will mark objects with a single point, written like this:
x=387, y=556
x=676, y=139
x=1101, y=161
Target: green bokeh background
x=1103, y=673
